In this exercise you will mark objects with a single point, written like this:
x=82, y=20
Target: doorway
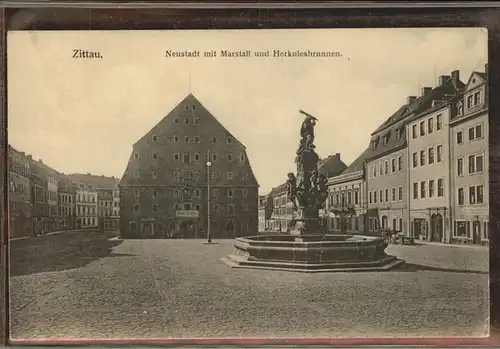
x=476, y=232
x=230, y=229
x=188, y=229
x=436, y=227
x=147, y=230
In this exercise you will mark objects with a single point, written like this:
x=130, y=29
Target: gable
x=476, y=79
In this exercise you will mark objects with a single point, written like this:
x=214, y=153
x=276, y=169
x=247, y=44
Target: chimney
x=337, y=155
x=410, y=99
x=455, y=76
x=443, y=79
x=40, y=161
x=486, y=68
x=30, y=157
x=425, y=90
x=88, y=174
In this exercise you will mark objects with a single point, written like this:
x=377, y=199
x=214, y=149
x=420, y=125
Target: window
x=460, y=229
x=476, y=164
x=197, y=207
x=229, y=157
x=136, y=156
x=480, y=194
x=155, y=156
x=197, y=157
x=393, y=194
x=215, y=193
x=242, y=157
x=197, y=139
x=197, y=193
x=472, y=195
x=244, y=193
x=415, y=190
x=414, y=131
x=387, y=195
x=356, y=197
x=386, y=167
x=439, y=122
x=477, y=98
x=187, y=206
x=195, y=121
x=214, y=175
x=431, y=188
x=460, y=197
x=136, y=193
x=136, y=174
x=244, y=207
x=176, y=156
x=155, y=208
x=155, y=193
x=400, y=193
x=229, y=193
x=440, y=188
x=460, y=137
x=229, y=140
x=370, y=197
x=381, y=196
x=136, y=208
x=176, y=176
x=244, y=175
x=176, y=120
x=176, y=139
x=188, y=175
x=422, y=190
x=430, y=125
x=460, y=167
x=431, y=155
x=187, y=158
x=154, y=138
x=415, y=160
x=439, y=149
x=186, y=120
x=400, y=163
x=393, y=165
x=476, y=132
x=381, y=169
x=374, y=171
x=214, y=157
x=186, y=139
x=214, y=139
x=486, y=230
x=230, y=175
x=422, y=157
x=375, y=197
x=422, y=128
x=153, y=174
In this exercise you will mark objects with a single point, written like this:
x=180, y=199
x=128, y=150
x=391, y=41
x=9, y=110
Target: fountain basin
x=312, y=253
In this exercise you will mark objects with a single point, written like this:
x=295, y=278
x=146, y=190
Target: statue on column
x=307, y=131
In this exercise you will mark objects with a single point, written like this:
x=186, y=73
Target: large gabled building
x=164, y=190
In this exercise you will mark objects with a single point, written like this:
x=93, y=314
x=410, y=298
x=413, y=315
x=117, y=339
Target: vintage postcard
x=248, y=183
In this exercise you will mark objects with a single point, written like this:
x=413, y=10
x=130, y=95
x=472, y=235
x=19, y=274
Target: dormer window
x=229, y=140
x=154, y=138
x=187, y=107
x=195, y=121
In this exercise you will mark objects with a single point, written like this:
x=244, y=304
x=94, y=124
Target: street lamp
x=209, y=238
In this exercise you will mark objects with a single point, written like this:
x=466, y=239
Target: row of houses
x=424, y=172
x=42, y=200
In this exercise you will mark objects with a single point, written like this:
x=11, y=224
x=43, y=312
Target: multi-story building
x=164, y=189
x=105, y=207
x=115, y=215
x=429, y=163
x=262, y=212
x=388, y=165
x=67, y=196
x=38, y=189
x=20, y=223
x=346, y=204
x=469, y=151
x=87, y=202
x=51, y=179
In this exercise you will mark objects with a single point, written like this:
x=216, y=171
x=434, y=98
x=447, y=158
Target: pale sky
x=83, y=115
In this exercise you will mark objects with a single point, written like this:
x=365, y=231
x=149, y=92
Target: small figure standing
x=291, y=189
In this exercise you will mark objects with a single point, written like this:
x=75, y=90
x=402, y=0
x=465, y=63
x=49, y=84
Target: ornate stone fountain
x=307, y=248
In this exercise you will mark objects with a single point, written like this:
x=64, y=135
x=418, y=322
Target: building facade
x=105, y=208
x=186, y=175
x=429, y=161
x=116, y=207
x=470, y=168
x=38, y=188
x=86, y=206
x=282, y=210
x=20, y=207
x=346, y=205
x=67, y=196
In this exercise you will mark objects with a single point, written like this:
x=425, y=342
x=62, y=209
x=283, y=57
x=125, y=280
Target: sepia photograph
x=322, y=183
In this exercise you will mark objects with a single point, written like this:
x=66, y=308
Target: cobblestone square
x=79, y=285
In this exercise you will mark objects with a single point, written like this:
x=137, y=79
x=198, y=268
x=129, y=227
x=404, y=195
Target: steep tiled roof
x=42, y=170
x=393, y=129
x=97, y=182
